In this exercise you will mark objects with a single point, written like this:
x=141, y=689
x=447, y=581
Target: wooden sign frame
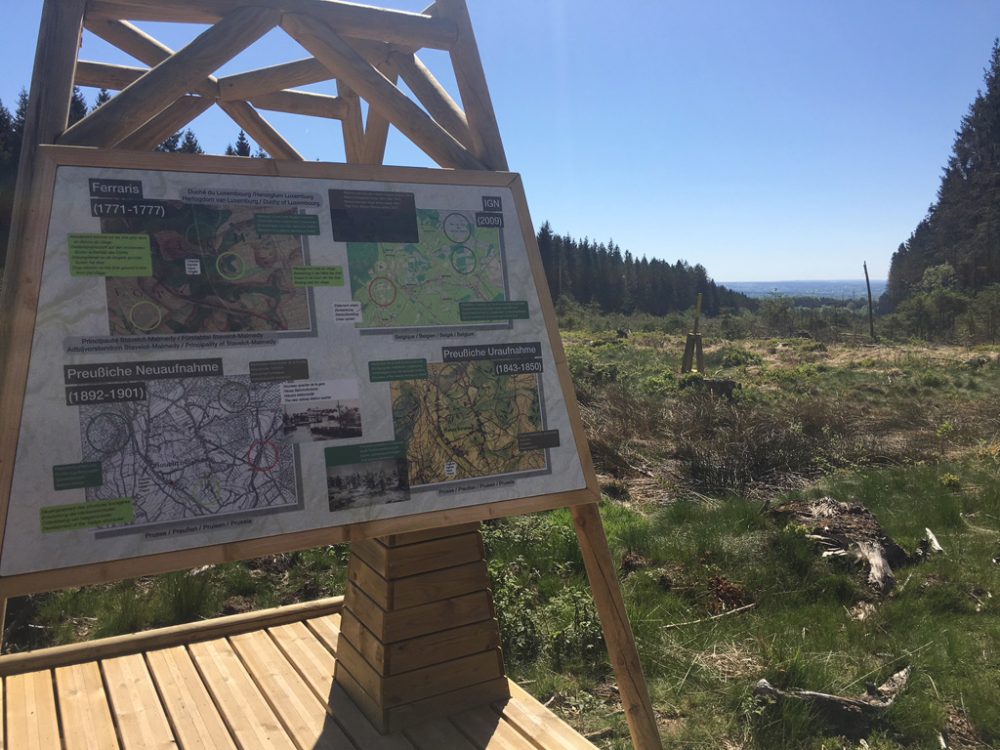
x=366, y=50
x=28, y=275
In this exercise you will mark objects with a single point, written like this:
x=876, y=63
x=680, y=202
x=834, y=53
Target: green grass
x=800, y=634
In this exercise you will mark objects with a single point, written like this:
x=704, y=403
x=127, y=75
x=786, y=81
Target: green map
x=463, y=422
x=405, y=285
x=212, y=272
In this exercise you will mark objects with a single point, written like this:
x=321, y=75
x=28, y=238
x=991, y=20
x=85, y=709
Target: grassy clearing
x=910, y=431
x=688, y=561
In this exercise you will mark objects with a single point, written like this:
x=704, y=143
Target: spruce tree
x=189, y=144
x=77, y=106
x=241, y=147
x=962, y=226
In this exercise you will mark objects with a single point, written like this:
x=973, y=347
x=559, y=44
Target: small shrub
x=658, y=386
x=574, y=633
x=515, y=605
x=738, y=357
x=126, y=610
x=185, y=596
x=950, y=481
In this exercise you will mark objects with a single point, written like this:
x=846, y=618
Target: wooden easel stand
x=419, y=633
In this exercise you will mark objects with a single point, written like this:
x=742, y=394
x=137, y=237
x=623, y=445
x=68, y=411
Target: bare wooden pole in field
x=871, y=312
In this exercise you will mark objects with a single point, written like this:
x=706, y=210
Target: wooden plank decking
x=263, y=680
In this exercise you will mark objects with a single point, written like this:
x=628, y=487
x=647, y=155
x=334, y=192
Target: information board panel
x=222, y=357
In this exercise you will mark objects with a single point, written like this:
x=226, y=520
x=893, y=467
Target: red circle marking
x=371, y=294
x=264, y=444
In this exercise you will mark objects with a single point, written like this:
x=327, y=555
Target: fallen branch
x=851, y=717
x=744, y=608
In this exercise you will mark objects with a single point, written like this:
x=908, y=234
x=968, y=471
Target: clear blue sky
x=768, y=140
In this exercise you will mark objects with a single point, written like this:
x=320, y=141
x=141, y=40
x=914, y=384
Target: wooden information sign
x=224, y=358
x=212, y=358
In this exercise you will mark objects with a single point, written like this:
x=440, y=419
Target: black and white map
x=197, y=447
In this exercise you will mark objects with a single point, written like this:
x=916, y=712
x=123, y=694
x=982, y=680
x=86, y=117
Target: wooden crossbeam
x=165, y=124
x=355, y=21
x=117, y=77
x=354, y=128
x=260, y=130
x=172, y=78
x=274, y=78
x=376, y=125
x=348, y=65
x=303, y=103
x=106, y=76
x=487, y=143
x=142, y=46
x=433, y=96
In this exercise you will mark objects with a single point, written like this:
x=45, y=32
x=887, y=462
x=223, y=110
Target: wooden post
x=418, y=636
x=618, y=635
x=871, y=313
x=433, y=96
x=471, y=80
x=353, y=125
x=45, y=120
x=3, y=621
x=694, y=353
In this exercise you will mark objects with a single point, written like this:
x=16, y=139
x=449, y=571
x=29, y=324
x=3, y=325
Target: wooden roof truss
x=366, y=50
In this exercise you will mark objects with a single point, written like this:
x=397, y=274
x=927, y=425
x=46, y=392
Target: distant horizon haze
x=831, y=288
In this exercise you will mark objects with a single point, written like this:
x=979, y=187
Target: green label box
x=76, y=476
x=318, y=275
x=286, y=223
x=385, y=370
x=125, y=255
x=481, y=312
x=89, y=515
x=365, y=452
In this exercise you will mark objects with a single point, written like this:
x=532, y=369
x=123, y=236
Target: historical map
x=463, y=422
x=212, y=272
x=409, y=285
x=197, y=447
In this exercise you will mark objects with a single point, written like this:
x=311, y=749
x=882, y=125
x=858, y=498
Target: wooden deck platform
x=260, y=680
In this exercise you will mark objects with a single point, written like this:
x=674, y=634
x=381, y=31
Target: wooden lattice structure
x=416, y=636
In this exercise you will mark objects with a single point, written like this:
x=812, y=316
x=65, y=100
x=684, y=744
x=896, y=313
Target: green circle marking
x=142, y=312
x=231, y=277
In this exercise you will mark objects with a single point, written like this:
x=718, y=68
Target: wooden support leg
x=617, y=632
x=687, y=361
x=3, y=620
x=418, y=636
x=694, y=354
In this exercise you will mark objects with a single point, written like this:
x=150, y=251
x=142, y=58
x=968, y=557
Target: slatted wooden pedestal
x=419, y=638
x=254, y=681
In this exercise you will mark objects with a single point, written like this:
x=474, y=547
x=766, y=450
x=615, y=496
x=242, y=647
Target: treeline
x=592, y=274
x=599, y=274
x=943, y=281
x=12, y=135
